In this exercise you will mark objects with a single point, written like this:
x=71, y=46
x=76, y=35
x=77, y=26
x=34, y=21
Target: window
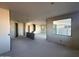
x=62, y=27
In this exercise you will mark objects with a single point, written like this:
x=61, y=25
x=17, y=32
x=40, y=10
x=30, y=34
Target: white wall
x=4, y=31
x=26, y=27
x=20, y=29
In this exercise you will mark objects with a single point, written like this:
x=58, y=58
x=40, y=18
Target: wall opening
x=16, y=29
x=62, y=27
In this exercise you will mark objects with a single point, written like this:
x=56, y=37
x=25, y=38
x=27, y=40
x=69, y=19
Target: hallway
x=58, y=22
x=24, y=47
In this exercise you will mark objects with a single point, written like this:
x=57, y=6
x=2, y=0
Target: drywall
x=4, y=31
x=38, y=29
x=75, y=31
x=12, y=29
x=72, y=41
x=20, y=29
x=15, y=17
x=53, y=37
x=26, y=27
x=43, y=28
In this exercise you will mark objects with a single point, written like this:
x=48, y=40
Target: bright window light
x=62, y=27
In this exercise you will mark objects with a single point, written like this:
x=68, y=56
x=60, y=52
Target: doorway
x=16, y=29
x=24, y=29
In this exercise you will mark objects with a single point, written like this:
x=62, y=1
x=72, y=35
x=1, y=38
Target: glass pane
x=62, y=27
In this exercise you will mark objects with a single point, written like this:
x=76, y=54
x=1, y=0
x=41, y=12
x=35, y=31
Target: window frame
x=71, y=27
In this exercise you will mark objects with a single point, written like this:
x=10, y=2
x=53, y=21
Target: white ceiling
x=38, y=11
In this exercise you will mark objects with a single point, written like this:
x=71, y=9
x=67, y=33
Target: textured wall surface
x=53, y=37
x=65, y=40
x=75, y=31
x=12, y=29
